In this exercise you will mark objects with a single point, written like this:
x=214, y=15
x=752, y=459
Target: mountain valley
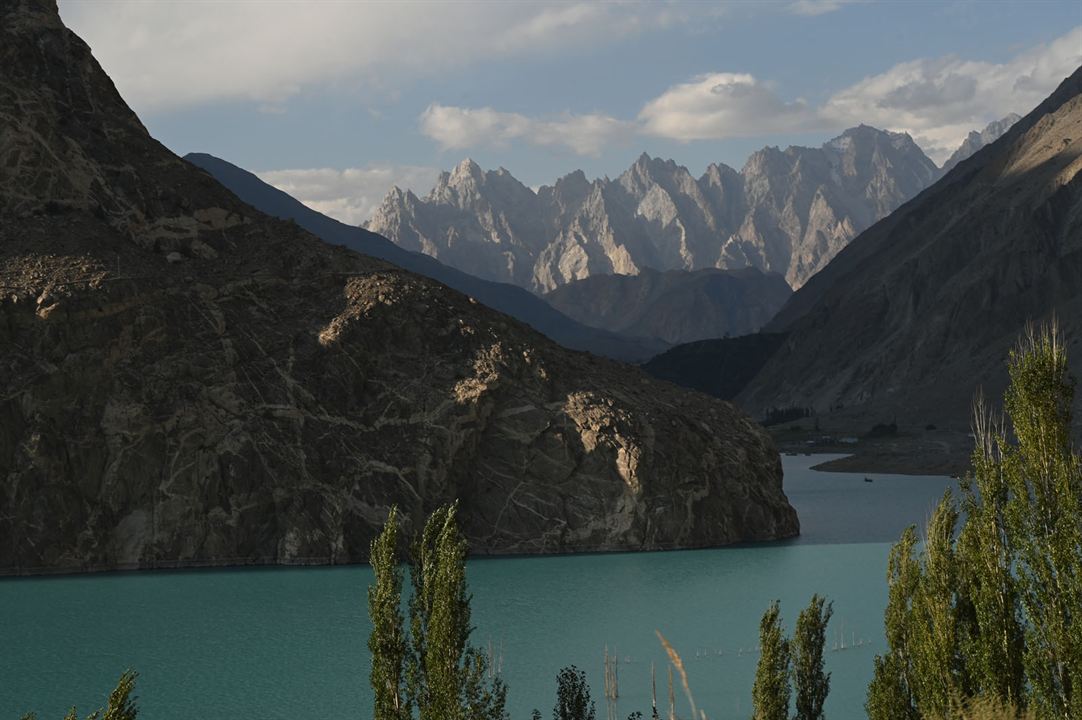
x=189, y=382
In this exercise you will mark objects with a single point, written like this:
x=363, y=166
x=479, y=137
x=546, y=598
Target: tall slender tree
x=771, y=691
x=388, y=639
x=937, y=664
x=810, y=681
x=890, y=693
x=446, y=678
x=1044, y=522
x=990, y=624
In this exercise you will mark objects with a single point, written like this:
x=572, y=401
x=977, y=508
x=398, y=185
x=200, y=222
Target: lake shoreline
x=906, y=451
x=864, y=457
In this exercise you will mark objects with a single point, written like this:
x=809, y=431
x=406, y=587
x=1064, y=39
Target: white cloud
x=709, y=107
x=817, y=7
x=939, y=101
x=456, y=128
x=723, y=105
x=350, y=195
x=172, y=54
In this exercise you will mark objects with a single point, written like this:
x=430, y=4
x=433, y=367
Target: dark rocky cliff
x=187, y=381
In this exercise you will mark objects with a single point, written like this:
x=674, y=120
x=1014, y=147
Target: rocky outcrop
x=921, y=310
x=787, y=211
x=677, y=306
x=187, y=381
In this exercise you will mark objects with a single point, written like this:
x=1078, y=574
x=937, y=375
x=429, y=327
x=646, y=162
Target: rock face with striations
x=922, y=309
x=187, y=381
x=787, y=212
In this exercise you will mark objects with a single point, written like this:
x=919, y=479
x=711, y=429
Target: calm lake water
x=290, y=643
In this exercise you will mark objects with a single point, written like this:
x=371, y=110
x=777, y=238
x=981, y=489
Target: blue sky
x=336, y=101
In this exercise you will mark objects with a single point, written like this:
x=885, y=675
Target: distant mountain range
x=921, y=310
x=677, y=306
x=504, y=297
x=787, y=212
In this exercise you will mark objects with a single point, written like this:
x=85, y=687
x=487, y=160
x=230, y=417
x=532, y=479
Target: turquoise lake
x=291, y=642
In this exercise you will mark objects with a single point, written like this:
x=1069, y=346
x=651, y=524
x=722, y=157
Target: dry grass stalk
x=674, y=658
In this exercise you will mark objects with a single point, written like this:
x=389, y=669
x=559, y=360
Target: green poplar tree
x=890, y=693
x=994, y=618
x=991, y=626
x=811, y=683
x=447, y=679
x=936, y=663
x=387, y=641
x=1044, y=522
x=573, y=696
x=771, y=690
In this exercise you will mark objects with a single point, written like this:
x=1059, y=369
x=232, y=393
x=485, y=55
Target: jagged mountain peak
x=575, y=177
x=719, y=169
x=646, y=166
x=868, y=138
x=861, y=131
x=467, y=168
x=787, y=211
x=977, y=140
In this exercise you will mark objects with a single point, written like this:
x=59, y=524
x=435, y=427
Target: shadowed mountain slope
x=721, y=367
x=677, y=306
x=187, y=381
x=922, y=308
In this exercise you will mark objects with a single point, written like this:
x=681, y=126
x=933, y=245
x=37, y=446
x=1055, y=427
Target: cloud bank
x=267, y=52
x=938, y=101
x=722, y=105
x=350, y=195
x=456, y=128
